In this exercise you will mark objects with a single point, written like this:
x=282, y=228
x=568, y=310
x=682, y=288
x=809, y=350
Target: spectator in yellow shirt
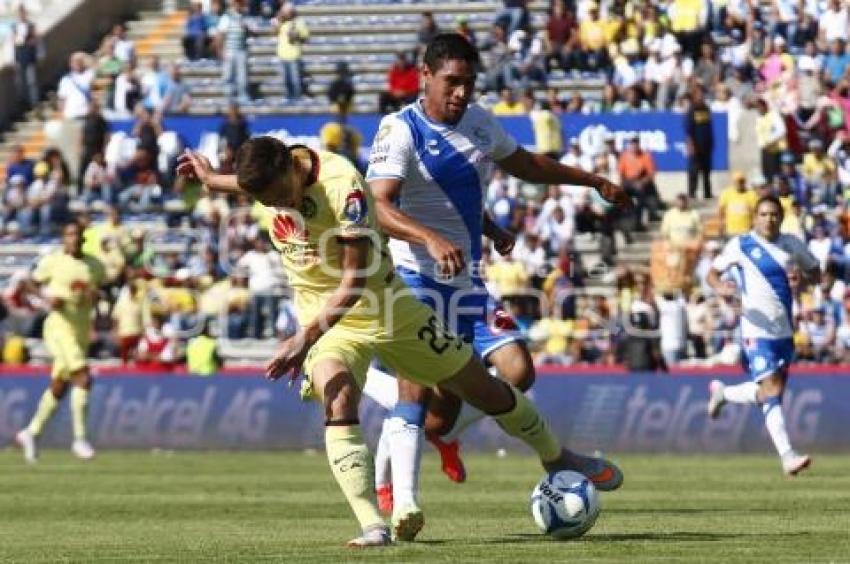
x=593, y=38
x=819, y=173
x=292, y=32
x=508, y=105
x=547, y=131
x=508, y=277
x=736, y=207
x=681, y=226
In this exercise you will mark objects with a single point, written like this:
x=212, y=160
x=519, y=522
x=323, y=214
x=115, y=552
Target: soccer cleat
x=407, y=522
x=26, y=441
x=716, y=401
x=450, y=457
x=385, y=498
x=371, y=537
x=82, y=449
x=604, y=474
x=793, y=463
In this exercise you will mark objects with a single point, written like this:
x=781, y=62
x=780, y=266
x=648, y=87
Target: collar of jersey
x=421, y=111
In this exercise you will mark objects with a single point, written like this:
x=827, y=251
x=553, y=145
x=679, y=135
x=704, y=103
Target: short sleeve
x=392, y=150
x=503, y=144
x=43, y=270
x=349, y=203
x=801, y=253
x=728, y=257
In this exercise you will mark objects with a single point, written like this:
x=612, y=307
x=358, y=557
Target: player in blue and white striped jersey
x=760, y=260
x=427, y=171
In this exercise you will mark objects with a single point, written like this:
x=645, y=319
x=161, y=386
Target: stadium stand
x=655, y=55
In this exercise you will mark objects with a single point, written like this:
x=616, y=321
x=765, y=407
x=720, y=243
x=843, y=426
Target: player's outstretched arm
x=540, y=169
x=192, y=164
x=293, y=351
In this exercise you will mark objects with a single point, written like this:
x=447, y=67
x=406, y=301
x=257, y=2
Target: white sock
x=774, y=420
x=467, y=416
x=405, y=445
x=381, y=387
x=383, y=474
x=741, y=393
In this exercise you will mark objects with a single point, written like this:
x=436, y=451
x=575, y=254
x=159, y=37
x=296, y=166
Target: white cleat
x=372, y=537
x=408, y=520
x=26, y=441
x=793, y=463
x=82, y=449
x=716, y=401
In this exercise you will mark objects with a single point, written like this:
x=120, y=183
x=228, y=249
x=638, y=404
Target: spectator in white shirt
x=265, y=282
x=75, y=88
x=833, y=23
x=673, y=320
x=124, y=49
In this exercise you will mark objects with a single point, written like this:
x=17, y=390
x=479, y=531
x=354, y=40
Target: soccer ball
x=564, y=504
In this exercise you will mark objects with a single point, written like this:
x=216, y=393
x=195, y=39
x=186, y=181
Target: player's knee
x=82, y=379
x=772, y=386
x=410, y=392
x=516, y=367
x=58, y=388
x=341, y=397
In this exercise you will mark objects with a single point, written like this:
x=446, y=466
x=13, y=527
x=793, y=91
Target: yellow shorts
x=405, y=335
x=67, y=347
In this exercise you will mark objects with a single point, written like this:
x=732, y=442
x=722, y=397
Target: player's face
x=449, y=89
x=768, y=220
x=72, y=240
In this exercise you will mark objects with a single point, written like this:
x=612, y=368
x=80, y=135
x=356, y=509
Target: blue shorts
x=471, y=313
x=763, y=357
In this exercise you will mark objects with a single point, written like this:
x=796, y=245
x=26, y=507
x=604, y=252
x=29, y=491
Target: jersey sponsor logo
x=79, y=285
x=356, y=209
x=756, y=253
x=286, y=230
x=433, y=147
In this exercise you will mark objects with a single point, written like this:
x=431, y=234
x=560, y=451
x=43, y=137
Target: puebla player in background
x=428, y=171
x=70, y=281
x=762, y=259
x=352, y=307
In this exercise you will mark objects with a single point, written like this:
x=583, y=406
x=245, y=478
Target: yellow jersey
x=73, y=280
x=739, y=208
x=337, y=206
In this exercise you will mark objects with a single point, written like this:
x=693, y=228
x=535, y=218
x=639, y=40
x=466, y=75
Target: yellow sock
x=46, y=407
x=353, y=469
x=79, y=411
x=525, y=423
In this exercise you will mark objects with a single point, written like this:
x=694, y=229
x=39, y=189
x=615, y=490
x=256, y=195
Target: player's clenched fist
x=194, y=165
x=448, y=255
x=615, y=194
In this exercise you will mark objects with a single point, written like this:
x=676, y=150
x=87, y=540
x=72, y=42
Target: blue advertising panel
x=613, y=412
x=662, y=133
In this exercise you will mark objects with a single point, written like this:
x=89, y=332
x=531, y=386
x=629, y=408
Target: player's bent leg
x=82, y=383
x=519, y=418
x=514, y=365
x=348, y=455
x=444, y=411
x=771, y=390
x=28, y=436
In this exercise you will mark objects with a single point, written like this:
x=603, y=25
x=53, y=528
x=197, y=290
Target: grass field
x=142, y=506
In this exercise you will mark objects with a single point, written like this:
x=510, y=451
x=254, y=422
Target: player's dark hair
x=259, y=161
x=773, y=200
x=448, y=47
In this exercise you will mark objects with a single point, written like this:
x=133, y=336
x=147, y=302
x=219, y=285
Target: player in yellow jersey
x=70, y=280
x=351, y=307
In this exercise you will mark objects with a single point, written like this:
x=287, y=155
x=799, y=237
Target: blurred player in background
x=70, y=281
x=762, y=259
x=427, y=168
x=351, y=307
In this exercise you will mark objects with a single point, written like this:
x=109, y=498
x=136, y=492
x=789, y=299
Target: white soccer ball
x=565, y=504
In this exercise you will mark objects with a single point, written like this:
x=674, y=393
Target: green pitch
x=284, y=507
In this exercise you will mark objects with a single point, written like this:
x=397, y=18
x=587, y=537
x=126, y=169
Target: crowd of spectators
x=786, y=61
